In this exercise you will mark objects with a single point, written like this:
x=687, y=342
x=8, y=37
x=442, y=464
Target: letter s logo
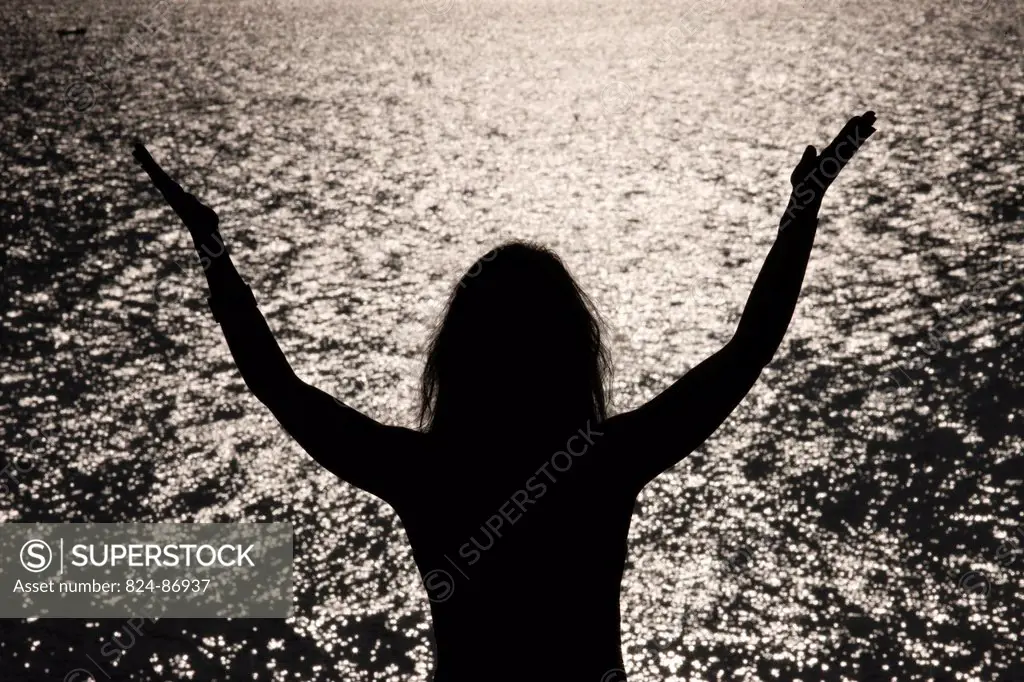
x=36, y=556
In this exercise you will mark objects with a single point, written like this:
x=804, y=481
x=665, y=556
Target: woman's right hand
x=201, y=220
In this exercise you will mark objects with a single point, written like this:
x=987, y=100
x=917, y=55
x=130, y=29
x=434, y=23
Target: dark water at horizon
x=850, y=520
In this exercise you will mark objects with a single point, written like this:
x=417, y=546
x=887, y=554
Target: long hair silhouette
x=518, y=338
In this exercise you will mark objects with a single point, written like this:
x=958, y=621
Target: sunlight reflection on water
x=845, y=523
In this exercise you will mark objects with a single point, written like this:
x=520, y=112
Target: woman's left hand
x=815, y=173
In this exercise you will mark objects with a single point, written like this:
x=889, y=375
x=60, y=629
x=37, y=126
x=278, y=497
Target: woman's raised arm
x=353, y=446
x=677, y=421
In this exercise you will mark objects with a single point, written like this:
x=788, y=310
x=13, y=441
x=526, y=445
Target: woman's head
x=518, y=339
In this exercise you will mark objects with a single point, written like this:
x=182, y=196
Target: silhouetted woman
x=517, y=491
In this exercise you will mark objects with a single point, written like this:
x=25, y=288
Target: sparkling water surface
x=859, y=517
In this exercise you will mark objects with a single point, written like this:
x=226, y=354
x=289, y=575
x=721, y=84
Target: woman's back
x=521, y=546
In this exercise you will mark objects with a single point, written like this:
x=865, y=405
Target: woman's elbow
x=270, y=390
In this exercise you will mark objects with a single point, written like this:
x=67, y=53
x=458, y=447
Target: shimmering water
x=857, y=518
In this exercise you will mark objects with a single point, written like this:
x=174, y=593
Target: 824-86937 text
x=166, y=585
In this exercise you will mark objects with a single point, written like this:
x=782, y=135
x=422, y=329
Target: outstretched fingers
x=851, y=137
x=839, y=152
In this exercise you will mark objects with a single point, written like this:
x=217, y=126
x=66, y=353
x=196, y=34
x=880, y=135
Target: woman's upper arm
x=372, y=456
x=662, y=432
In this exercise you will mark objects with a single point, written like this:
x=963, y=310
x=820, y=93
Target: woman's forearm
x=257, y=355
x=221, y=275
x=263, y=366
x=772, y=301
x=771, y=304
